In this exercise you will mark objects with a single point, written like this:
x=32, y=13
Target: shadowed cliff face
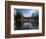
x=18, y=21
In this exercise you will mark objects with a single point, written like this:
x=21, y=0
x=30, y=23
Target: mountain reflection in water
x=27, y=26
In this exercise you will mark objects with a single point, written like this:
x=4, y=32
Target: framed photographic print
x=24, y=19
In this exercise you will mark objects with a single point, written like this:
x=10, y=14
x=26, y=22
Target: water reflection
x=27, y=26
x=30, y=25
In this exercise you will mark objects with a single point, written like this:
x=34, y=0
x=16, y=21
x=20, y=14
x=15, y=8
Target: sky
x=26, y=12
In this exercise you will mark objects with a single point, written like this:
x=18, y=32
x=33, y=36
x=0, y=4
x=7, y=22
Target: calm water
x=27, y=25
x=30, y=25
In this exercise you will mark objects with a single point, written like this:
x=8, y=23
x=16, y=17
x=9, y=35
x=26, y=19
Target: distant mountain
x=36, y=13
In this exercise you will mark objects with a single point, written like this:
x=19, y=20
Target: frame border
x=8, y=16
